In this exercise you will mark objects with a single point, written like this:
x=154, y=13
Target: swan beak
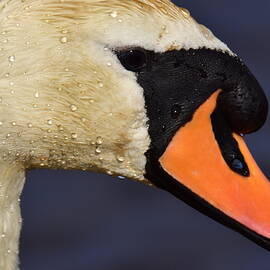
x=221, y=177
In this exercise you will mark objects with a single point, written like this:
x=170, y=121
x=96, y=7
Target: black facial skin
x=176, y=84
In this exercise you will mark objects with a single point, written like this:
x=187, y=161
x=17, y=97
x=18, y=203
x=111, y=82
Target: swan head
x=137, y=89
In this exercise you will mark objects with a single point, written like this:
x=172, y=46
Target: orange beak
x=194, y=159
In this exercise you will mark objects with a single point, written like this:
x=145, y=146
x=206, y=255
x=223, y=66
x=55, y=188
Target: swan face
x=134, y=88
x=63, y=89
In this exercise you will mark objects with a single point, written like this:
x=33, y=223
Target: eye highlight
x=133, y=59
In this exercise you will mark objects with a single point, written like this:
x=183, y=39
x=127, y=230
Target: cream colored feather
x=65, y=100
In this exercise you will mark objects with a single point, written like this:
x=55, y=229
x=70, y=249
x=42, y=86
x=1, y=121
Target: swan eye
x=133, y=60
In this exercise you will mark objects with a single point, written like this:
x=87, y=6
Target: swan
x=135, y=88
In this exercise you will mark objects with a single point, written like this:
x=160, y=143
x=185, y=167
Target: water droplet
x=120, y=20
x=13, y=123
x=11, y=58
x=36, y=95
x=121, y=177
x=185, y=12
x=176, y=111
x=99, y=140
x=98, y=150
x=1, y=123
x=109, y=172
x=73, y=108
x=74, y=136
x=109, y=64
x=30, y=125
x=11, y=83
x=8, y=251
x=7, y=75
x=206, y=32
x=100, y=84
x=49, y=122
x=3, y=235
x=114, y=14
x=60, y=128
x=63, y=39
x=120, y=158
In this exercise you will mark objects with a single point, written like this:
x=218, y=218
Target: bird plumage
x=62, y=89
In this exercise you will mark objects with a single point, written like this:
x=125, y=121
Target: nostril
x=228, y=145
x=237, y=164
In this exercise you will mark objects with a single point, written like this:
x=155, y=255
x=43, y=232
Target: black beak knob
x=243, y=103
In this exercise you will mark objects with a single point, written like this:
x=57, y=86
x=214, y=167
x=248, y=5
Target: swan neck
x=12, y=177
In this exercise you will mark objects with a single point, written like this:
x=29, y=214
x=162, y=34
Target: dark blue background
x=82, y=221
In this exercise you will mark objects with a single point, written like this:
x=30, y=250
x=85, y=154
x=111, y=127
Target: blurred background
x=81, y=221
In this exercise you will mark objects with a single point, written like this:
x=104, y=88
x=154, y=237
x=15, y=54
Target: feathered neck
x=12, y=178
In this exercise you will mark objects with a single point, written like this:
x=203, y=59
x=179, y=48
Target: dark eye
x=133, y=60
